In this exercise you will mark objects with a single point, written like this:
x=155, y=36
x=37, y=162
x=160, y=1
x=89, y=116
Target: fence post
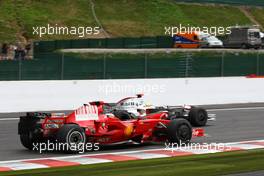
x=62, y=66
x=222, y=63
x=257, y=71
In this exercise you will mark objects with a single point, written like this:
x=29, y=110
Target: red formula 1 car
x=98, y=122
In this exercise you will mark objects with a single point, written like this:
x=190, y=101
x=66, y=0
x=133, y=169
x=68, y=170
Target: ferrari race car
x=99, y=122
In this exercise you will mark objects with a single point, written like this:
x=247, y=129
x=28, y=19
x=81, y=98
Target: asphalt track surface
x=233, y=123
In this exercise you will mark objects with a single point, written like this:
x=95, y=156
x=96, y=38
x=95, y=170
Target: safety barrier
x=23, y=96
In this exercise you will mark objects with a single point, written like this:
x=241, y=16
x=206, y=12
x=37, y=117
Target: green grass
x=61, y=12
x=206, y=165
x=8, y=25
x=149, y=17
x=120, y=18
x=258, y=15
x=19, y=17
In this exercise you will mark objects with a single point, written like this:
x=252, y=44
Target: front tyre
x=179, y=131
x=72, y=137
x=198, y=117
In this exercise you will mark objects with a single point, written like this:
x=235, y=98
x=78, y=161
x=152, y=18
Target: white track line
x=23, y=165
x=235, y=109
x=8, y=119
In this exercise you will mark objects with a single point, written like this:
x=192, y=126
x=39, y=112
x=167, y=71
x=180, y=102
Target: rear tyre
x=198, y=117
x=179, y=131
x=27, y=140
x=72, y=136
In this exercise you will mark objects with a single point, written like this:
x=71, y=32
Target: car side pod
x=198, y=132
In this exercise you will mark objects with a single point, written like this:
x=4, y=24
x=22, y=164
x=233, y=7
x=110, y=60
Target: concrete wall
x=65, y=95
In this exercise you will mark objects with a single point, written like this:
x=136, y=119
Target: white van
x=262, y=39
x=210, y=41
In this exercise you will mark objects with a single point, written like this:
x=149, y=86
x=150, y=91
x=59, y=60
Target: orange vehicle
x=187, y=40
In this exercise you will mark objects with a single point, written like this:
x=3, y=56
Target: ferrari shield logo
x=128, y=130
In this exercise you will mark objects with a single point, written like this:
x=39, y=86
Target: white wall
x=65, y=95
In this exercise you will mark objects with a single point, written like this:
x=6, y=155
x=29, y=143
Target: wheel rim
x=76, y=137
x=201, y=117
x=184, y=132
